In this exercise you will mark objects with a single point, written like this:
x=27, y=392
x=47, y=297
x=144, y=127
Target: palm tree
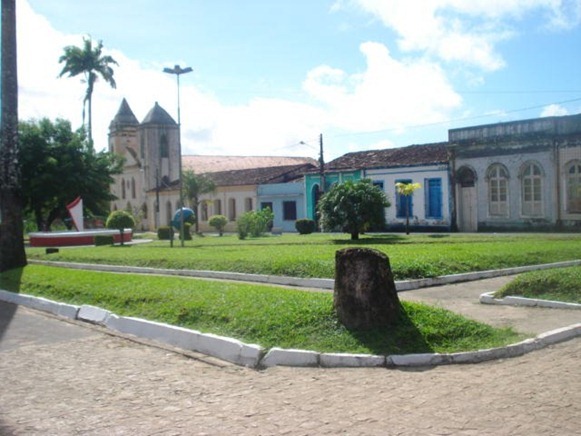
x=195, y=185
x=90, y=62
x=12, y=254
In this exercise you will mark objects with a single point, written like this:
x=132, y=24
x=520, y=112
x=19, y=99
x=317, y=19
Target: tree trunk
x=354, y=236
x=12, y=254
x=365, y=296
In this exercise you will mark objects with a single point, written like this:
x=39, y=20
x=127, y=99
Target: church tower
x=149, y=184
x=159, y=149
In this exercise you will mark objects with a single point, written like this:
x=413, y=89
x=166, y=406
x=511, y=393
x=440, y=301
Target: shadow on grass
x=372, y=240
x=9, y=281
x=401, y=338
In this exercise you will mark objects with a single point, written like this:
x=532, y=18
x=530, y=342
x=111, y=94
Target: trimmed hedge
x=104, y=240
x=305, y=226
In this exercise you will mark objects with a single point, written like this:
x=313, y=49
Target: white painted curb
x=60, y=309
x=488, y=298
x=317, y=283
x=290, y=357
x=250, y=355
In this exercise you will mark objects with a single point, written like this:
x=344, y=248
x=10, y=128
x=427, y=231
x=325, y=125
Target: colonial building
x=429, y=208
x=521, y=175
x=149, y=183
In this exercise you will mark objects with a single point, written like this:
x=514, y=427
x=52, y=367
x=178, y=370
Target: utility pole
x=321, y=165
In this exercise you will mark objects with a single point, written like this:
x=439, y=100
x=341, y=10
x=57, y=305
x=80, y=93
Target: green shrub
x=164, y=233
x=254, y=223
x=120, y=220
x=218, y=222
x=305, y=226
x=104, y=240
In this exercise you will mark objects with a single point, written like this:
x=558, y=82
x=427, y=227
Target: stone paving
x=68, y=378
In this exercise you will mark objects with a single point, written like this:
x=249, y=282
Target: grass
x=264, y=315
x=413, y=256
x=563, y=284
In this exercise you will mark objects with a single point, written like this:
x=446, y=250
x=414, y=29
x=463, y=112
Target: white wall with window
x=513, y=190
x=497, y=181
x=429, y=206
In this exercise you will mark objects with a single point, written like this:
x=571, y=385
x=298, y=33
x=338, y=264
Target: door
x=467, y=200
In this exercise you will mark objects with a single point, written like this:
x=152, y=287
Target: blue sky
x=268, y=75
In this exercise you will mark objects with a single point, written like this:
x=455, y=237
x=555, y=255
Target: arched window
x=132, y=187
x=497, y=191
x=204, y=211
x=573, y=174
x=532, y=189
x=123, y=189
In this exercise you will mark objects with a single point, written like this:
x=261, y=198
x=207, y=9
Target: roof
x=124, y=117
x=423, y=154
x=158, y=115
x=211, y=164
x=258, y=176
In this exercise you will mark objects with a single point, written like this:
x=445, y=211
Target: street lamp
x=177, y=70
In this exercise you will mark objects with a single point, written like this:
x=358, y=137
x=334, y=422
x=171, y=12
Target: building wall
x=313, y=182
x=516, y=215
x=276, y=195
x=422, y=216
x=233, y=202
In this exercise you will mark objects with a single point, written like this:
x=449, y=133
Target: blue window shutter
x=434, y=198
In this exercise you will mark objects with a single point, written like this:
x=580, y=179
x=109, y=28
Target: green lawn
x=413, y=256
x=268, y=316
x=563, y=284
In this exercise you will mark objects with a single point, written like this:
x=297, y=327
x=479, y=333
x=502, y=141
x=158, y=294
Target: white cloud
x=462, y=30
x=554, y=110
x=388, y=95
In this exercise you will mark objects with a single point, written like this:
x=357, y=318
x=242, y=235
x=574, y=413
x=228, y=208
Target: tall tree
x=12, y=254
x=407, y=190
x=353, y=207
x=195, y=185
x=89, y=61
x=57, y=166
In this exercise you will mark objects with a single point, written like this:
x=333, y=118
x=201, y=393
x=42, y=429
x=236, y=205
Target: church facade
x=148, y=186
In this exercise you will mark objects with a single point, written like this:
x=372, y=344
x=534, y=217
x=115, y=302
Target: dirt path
x=91, y=383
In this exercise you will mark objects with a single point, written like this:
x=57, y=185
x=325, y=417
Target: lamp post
x=177, y=70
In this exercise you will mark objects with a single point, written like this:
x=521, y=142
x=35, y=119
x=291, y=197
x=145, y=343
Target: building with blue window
x=429, y=208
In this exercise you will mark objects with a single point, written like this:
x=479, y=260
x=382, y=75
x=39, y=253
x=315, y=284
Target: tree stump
x=365, y=296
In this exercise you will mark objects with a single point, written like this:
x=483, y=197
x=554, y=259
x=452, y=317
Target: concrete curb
x=253, y=356
x=402, y=285
x=488, y=298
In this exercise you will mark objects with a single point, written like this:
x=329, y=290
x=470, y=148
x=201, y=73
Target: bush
x=254, y=223
x=218, y=222
x=305, y=226
x=104, y=240
x=164, y=233
x=120, y=220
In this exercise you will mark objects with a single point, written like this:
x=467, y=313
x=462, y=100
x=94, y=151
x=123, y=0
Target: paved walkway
x=67, y=378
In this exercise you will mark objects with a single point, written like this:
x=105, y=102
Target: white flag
x=75, y=209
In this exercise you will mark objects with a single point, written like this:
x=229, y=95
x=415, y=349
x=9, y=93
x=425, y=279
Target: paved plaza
x=69, y=378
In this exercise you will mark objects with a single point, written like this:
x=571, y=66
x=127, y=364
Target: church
x=149, y=184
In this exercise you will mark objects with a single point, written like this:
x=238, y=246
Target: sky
x=270, y=76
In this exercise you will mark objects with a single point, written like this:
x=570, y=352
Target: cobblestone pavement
x=83, y=381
